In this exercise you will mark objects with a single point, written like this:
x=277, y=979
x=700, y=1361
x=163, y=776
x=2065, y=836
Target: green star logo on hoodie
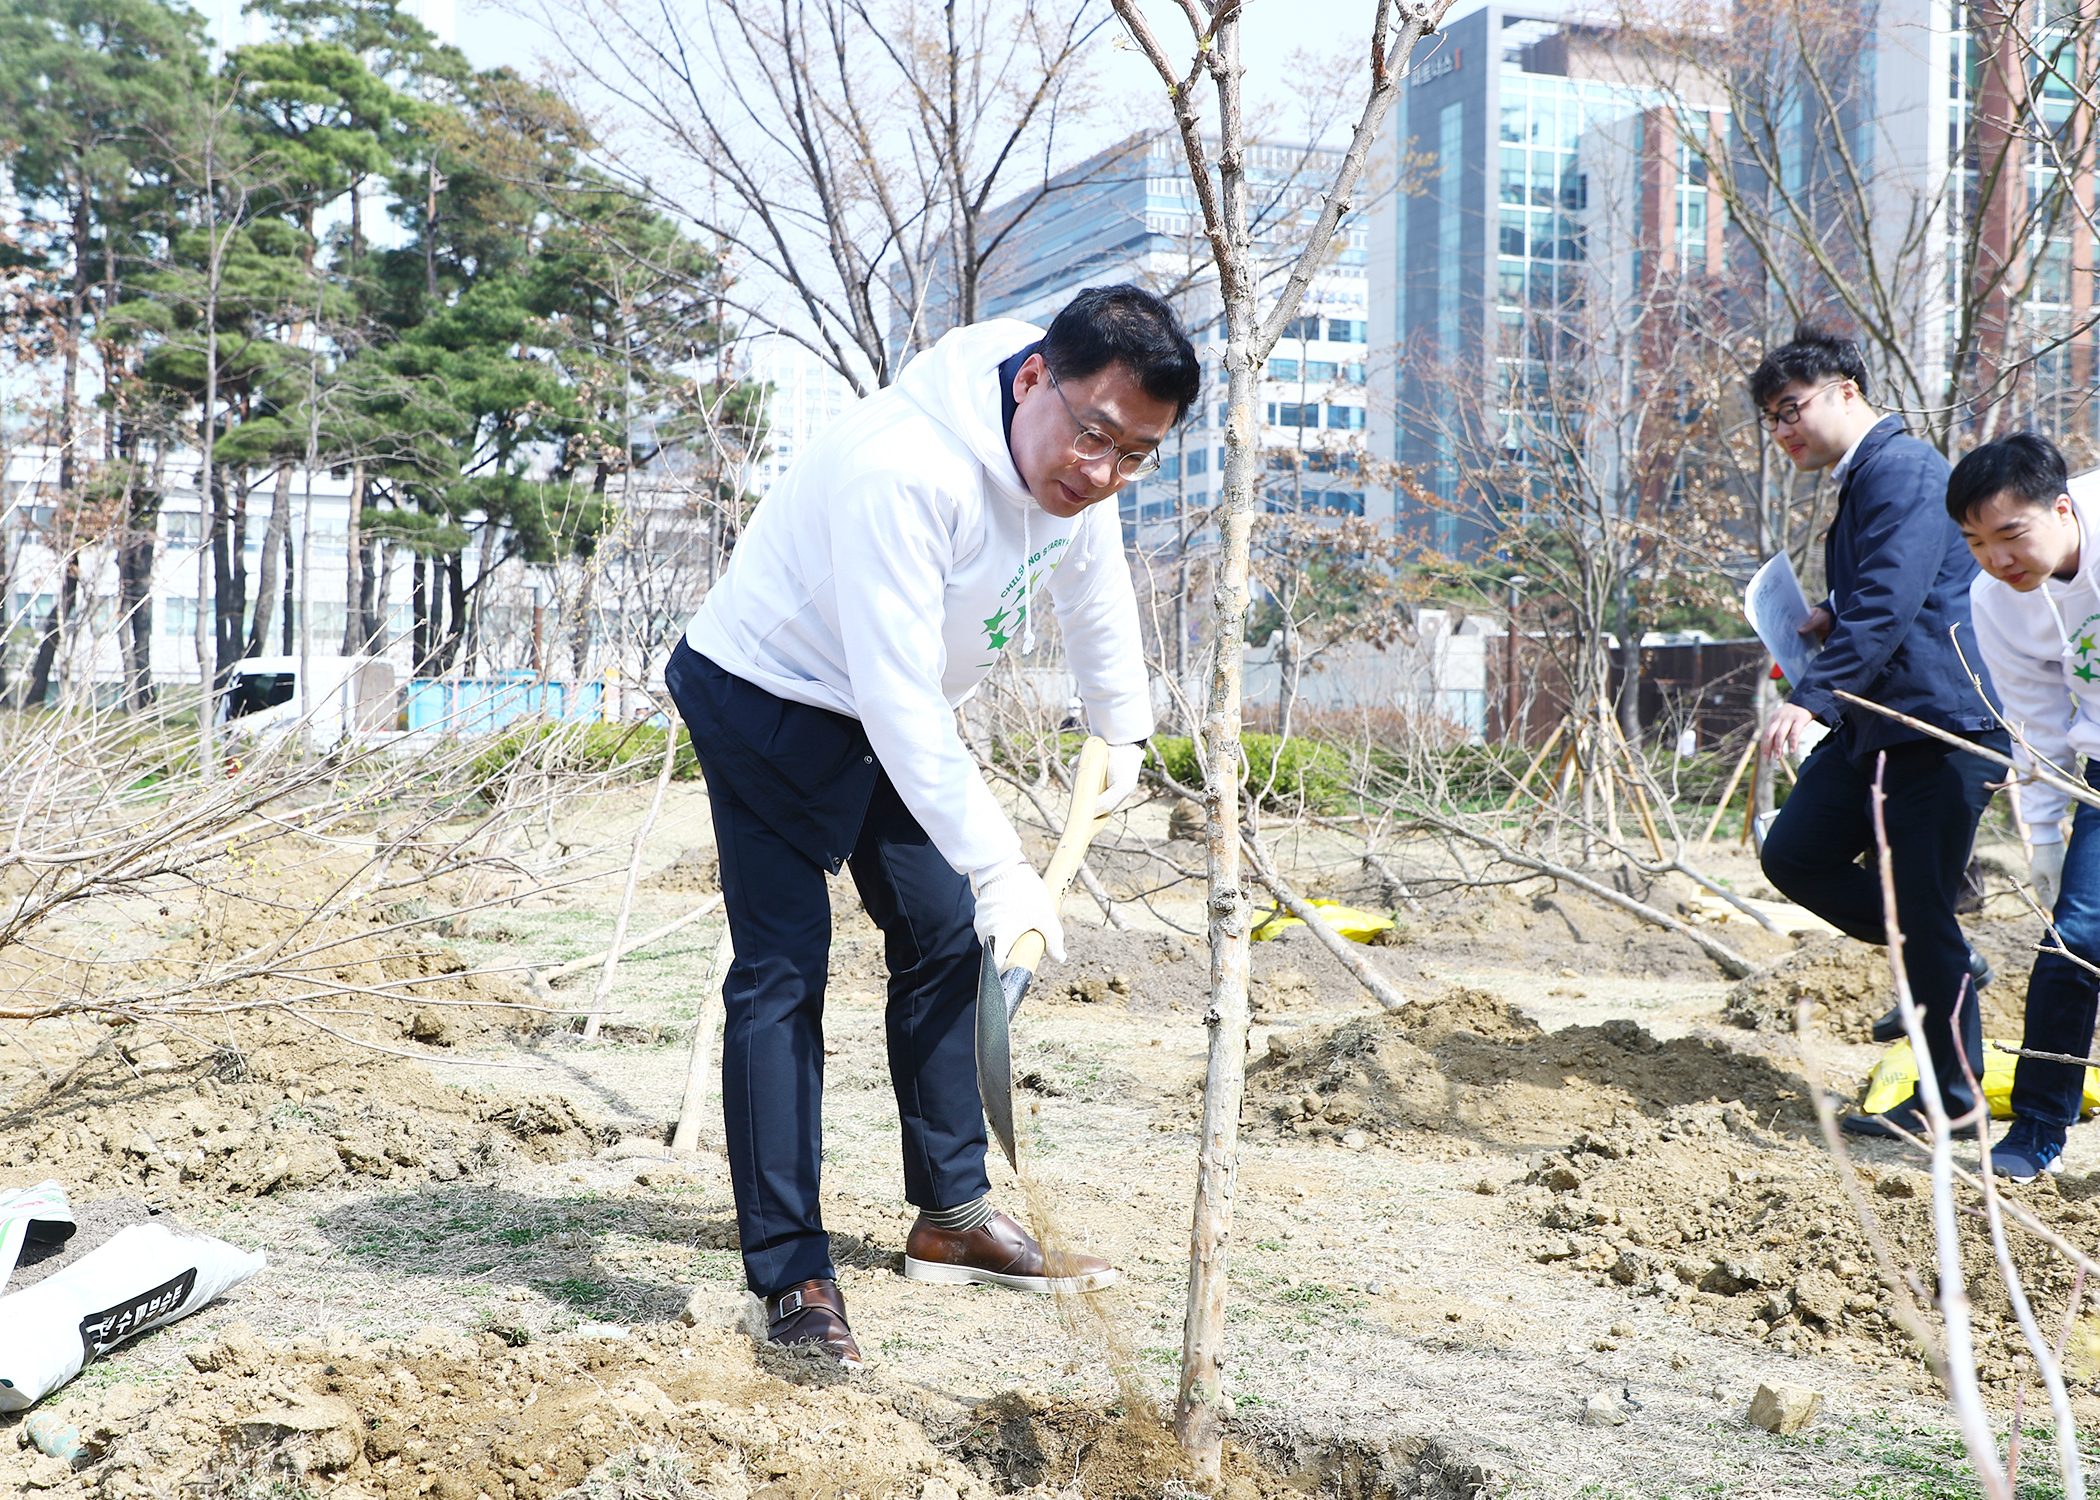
x=994, y=636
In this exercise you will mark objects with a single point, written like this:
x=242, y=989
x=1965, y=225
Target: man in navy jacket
x=1899, y=576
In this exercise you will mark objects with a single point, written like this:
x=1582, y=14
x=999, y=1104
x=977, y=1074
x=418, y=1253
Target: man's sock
x=963, y=1217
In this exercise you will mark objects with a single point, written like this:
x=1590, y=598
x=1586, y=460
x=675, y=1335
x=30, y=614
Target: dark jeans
x=2060, y=995
x=1935, y=795
x=779, y=912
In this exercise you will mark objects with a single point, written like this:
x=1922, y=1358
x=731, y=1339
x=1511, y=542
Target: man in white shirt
x=2036, y=605
x=874, y=588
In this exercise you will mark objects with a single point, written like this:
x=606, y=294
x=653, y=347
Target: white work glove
x=1124, y=763
x=2046, y=869
x=1011, y=900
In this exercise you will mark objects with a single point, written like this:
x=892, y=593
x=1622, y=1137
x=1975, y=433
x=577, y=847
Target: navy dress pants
x=1935, y=796
x=779, y=909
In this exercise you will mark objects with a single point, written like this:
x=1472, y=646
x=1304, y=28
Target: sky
x=494, y=34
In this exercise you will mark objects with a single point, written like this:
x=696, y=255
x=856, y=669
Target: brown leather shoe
x=813, y=1313
x=1000, y=1253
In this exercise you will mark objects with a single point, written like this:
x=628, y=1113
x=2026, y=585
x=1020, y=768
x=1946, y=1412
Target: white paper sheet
x=1776, y=608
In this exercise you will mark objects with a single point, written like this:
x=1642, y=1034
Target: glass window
x=1283, y=369
x=1512, y=119
x=1199, y=460
x=1511, y=282
x=1320, y=369
x=1512, y=232
x=1346, y=418
x=1512, y=176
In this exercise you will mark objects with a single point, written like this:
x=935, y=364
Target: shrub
x=1294, y=772
x=631, y=751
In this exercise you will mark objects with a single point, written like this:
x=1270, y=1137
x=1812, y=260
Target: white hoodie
x=2043, y=649
x=885, y=571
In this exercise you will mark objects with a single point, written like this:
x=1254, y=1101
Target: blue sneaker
x=2029, y=1149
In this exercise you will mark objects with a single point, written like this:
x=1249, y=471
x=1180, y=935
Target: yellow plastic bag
x=1895, y=1079
x=1352, y=922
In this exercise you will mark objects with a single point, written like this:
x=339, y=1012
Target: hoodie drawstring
x=1027, y=583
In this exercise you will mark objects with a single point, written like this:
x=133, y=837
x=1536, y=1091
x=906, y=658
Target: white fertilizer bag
x=147, y=1275
x=36, y=1215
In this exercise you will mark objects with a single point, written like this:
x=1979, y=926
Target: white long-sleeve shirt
x=2043, y=649
x=898, y=556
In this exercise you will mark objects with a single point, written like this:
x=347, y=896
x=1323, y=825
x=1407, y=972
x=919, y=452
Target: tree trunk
x=291, y=594
x=583, y=628
x=276, y=538
x=353, y=565
x=419, y=617
x=135, y=596
x=379, y=579
x=456, y=623
x=1629, y=703
x=479, y=598
x=54, y=631
x=230, y=569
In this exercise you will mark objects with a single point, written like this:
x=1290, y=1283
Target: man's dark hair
x=2026, y=463
x=1127, y=325
x=1815, y=355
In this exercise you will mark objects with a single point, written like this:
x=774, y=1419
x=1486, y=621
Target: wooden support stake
x=1742, y=764
x=1757, y=769
x=1532, y=769
x=687, y=1136
x=601, y=995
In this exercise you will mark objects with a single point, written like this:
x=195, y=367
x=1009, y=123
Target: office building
x=1527, y=162
x=1130, y=214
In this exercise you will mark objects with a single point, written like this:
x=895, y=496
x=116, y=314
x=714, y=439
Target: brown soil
x=1387, y=1328
x=667, y=1411
x=270, y=1108
x=1748, y=1234
x=1848, y=984
x=696, y=870
x=1468, y=1062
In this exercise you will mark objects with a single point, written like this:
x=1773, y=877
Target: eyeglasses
x=1089, y=446
x=1787, y=413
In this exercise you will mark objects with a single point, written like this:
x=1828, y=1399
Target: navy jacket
x=1899, y=582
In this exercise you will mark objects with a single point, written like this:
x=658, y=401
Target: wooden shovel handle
x=1089, y=777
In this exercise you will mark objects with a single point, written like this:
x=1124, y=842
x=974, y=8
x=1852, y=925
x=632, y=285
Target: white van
x=348, y=697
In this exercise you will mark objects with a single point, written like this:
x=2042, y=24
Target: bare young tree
x=1217, y=166
x=849, y=155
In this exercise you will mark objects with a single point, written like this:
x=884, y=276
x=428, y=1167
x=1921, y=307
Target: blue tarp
x=483, y=705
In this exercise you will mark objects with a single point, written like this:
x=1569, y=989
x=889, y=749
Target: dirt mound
x=1846, y=984
x=1750, y=1235
x=667, y=1412
x=1539, y=929
x=1467, y=1061
x=273, y=1107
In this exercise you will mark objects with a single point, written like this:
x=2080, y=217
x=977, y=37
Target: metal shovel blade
x=998, y=997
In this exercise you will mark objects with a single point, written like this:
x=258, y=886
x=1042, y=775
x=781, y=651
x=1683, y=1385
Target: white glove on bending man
x=1012, y=900
x=2045, y=868
x=1124, y=763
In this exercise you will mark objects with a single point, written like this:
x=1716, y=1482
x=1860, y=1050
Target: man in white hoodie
x=2037, y=611
x=876, y=585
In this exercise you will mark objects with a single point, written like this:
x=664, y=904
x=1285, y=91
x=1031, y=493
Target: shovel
x=1000, y=995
